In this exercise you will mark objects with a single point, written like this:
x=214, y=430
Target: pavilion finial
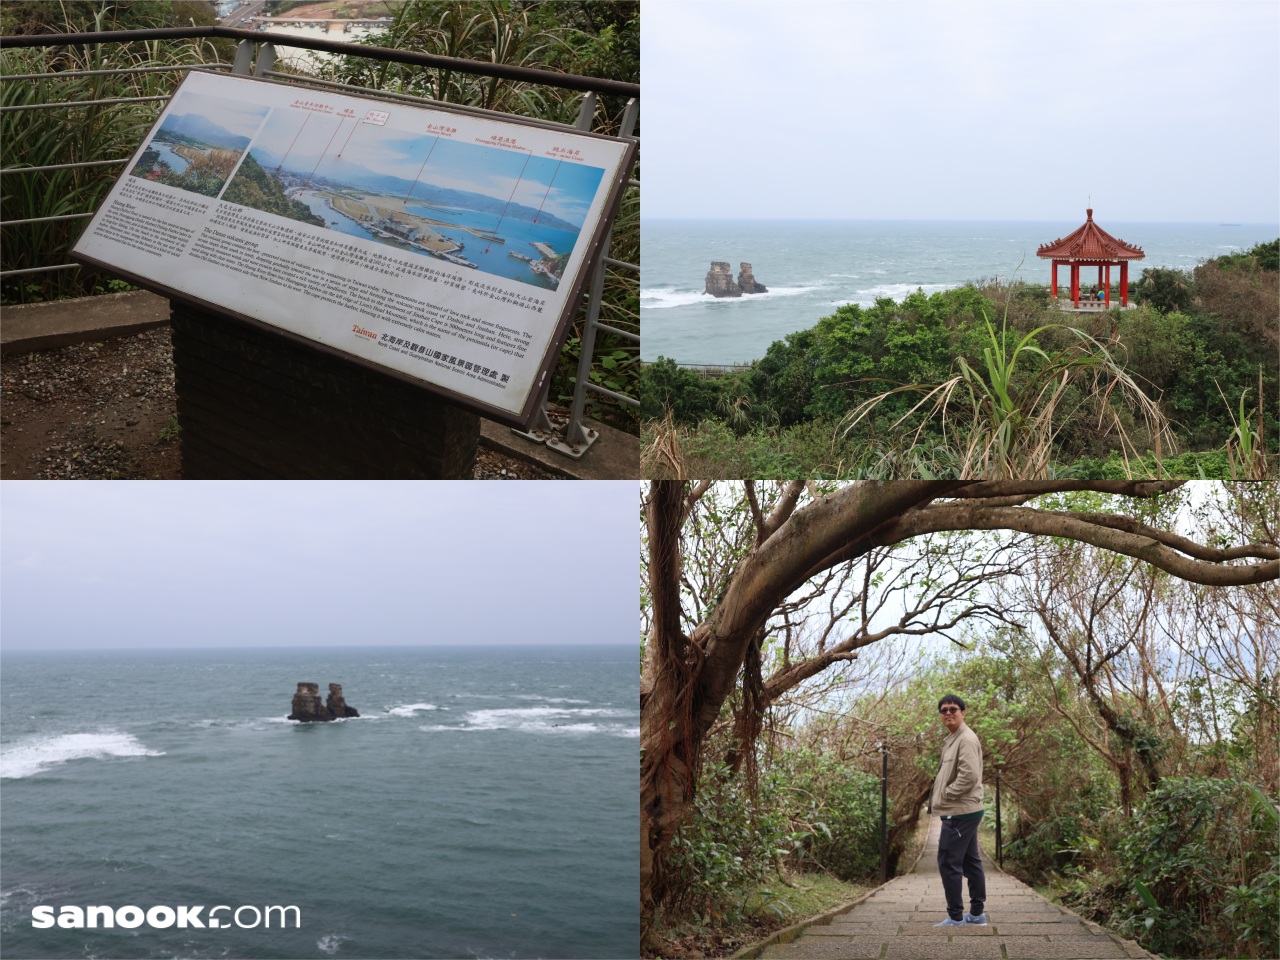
x=1089, y=213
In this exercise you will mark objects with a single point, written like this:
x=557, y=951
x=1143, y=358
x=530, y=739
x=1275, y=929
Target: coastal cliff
x=307, y=706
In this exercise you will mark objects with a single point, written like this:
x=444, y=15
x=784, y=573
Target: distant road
x=242, y=13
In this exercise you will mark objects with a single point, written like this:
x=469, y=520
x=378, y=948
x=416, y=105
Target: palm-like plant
x=1247, y=456
x=72, y=133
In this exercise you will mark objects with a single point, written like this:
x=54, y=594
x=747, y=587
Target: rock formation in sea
x=720, y=280
x=747, y=280
x=309, y=708
x=338, y=706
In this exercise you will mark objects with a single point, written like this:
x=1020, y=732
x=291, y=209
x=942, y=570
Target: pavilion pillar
x=1099, y=274
x=1108, y=287
x=1124, y=283
x=1075, y=284
x=1055, y=279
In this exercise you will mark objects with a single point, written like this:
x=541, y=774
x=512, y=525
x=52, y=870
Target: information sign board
x=438, y=245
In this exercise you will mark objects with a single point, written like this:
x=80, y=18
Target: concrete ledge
x=614, y=456
x=60, y=323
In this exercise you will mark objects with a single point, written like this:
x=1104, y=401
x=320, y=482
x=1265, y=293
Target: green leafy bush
x=846, y=802
x=1202, y=858
x=724, y=849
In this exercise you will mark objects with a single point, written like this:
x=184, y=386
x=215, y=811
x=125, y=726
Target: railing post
x=244, y=57
x=999, y=847
x=577, y=438
x=266, y=60
x=884, y=811
x=587, y=111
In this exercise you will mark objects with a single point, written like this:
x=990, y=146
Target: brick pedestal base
x=257, y=406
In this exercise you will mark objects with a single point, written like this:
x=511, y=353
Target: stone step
x=897, y=922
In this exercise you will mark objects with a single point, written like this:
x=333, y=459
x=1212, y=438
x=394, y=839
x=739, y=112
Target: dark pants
x=958, y=856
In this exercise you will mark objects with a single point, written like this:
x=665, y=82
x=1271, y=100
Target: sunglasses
x=948, y=709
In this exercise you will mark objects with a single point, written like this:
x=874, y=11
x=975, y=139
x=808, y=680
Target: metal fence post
x=244, y=57
x=999, y=847
x=577, y=438
x=266, y=60
x=884, y=812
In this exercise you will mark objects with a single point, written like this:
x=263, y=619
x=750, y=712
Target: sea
x=483, y=805
x=811, y=267
x=489, y=257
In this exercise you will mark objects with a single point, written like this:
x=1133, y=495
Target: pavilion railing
x=256, y=55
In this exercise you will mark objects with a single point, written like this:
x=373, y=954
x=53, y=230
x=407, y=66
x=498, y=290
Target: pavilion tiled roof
x=1090, y=242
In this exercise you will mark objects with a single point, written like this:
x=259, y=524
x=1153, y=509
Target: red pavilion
x=1091, y=246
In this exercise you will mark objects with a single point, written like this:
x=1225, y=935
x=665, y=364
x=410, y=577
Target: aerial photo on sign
x=194, y=151
x=494, y=208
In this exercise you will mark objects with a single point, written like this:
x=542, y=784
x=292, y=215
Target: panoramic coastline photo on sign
x=443, y=246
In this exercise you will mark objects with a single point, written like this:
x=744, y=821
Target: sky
x=220, y=564
x=242, y=119
x=1150, y=111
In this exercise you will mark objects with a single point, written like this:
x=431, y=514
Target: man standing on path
x=957, y=799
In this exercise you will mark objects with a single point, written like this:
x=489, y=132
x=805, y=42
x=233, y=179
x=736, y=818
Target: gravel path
x=107, y=411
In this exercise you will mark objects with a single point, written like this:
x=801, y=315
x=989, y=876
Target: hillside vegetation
x=992, y=380
x=254, y=187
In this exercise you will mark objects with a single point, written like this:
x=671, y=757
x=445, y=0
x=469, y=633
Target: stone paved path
x=897, y=923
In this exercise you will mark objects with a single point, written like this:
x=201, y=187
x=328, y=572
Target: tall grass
x=1000, y=420
x=80, y=132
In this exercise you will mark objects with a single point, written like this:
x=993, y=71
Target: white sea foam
x=331, y=942
x=553, y=720
x=408, y=710
x=895, y=291
x=660, y=299
x=29, y=757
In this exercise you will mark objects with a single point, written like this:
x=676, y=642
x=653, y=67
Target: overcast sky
x=1166, y=111
x=243, y=564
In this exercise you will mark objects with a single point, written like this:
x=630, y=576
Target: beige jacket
x=958, y=786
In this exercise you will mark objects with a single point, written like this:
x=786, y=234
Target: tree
x=689, y=674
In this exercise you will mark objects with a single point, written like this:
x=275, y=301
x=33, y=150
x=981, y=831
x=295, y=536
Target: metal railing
x=256, y=55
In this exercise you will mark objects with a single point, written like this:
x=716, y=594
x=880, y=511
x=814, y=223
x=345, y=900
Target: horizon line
x=325, y=646
x=1217, y=223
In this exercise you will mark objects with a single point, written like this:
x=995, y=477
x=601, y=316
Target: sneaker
x=980, y=920
x=951, y=923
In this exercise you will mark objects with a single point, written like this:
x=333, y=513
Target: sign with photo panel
x=443, y=247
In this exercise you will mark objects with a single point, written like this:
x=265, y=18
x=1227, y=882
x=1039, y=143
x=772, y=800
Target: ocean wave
x=331, y=942
x=409, y=709
x=659, y=299
x=895, y=291
x=29, y=757
x=551, y=720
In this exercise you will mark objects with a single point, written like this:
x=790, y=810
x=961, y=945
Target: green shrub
x=724, y=849
x=1201, y=857
x=847, y=802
